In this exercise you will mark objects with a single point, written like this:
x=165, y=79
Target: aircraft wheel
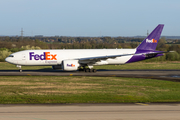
x=94, y=70
x=91, y=70
x=87, y=70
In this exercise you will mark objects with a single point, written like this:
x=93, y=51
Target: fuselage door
x=23, y=57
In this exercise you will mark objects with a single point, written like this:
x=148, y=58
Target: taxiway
x=173, y=75
x=91, y=112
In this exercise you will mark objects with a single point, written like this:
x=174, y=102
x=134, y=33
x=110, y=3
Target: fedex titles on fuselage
x=151, y=41
x=44, y=56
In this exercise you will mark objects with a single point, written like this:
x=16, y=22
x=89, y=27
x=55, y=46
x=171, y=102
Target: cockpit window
x=11, y=55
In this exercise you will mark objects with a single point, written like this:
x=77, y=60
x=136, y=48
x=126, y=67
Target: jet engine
x=70, y=65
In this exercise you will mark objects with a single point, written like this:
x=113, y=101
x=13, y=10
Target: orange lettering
x=154, y=41
x=47, y=55
x=54, y=57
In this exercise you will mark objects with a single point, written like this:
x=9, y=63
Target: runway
x=91, y=112
x=173, y=75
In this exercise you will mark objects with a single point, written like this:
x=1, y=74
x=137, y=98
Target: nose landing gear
x=19, y=66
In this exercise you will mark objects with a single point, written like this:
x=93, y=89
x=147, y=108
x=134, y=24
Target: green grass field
x=71, y=89
x=51, y=89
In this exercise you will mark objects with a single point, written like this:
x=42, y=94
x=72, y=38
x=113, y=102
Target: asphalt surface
x=172, y=75
x=91, y=112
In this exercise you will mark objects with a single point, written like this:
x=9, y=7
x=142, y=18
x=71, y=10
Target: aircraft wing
x=92, y=60
x=96, y=59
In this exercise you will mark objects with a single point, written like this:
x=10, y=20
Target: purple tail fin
x=151, y=41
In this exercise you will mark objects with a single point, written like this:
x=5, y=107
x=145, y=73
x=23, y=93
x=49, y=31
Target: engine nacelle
x=54, y=67
x=70, y=65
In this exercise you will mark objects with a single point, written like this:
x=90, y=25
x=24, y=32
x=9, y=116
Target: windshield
x=11, y=55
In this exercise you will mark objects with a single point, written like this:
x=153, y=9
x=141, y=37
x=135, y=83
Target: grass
x=137, y=65
x=71, y=89
x=8, y=66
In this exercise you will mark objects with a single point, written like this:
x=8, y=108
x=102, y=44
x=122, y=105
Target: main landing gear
x=87, y=70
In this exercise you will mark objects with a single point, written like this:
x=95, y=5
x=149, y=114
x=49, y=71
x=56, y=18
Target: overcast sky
x=89, y=17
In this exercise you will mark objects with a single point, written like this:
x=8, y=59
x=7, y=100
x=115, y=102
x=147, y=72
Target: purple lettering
x=31, y=55
x=68, y=65
x=43, y=56
x=36, y=57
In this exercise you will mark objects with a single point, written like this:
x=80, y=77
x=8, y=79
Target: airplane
x=85, y=59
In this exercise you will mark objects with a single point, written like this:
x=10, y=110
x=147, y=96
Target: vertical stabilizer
x=151, y=41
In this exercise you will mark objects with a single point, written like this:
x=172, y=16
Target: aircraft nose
x=7, y=59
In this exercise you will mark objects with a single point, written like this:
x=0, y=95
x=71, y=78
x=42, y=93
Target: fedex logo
x=70, y=65
x=44, y=56
x=151, y=41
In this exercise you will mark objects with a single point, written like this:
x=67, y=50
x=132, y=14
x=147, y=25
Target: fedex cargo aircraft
x=85, y=59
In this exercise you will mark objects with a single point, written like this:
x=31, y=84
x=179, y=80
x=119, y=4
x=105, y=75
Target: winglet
x=151, y=41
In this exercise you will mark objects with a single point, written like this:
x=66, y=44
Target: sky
x=88, y=17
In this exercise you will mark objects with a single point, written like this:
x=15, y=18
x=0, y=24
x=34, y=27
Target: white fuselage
x=55, y=57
